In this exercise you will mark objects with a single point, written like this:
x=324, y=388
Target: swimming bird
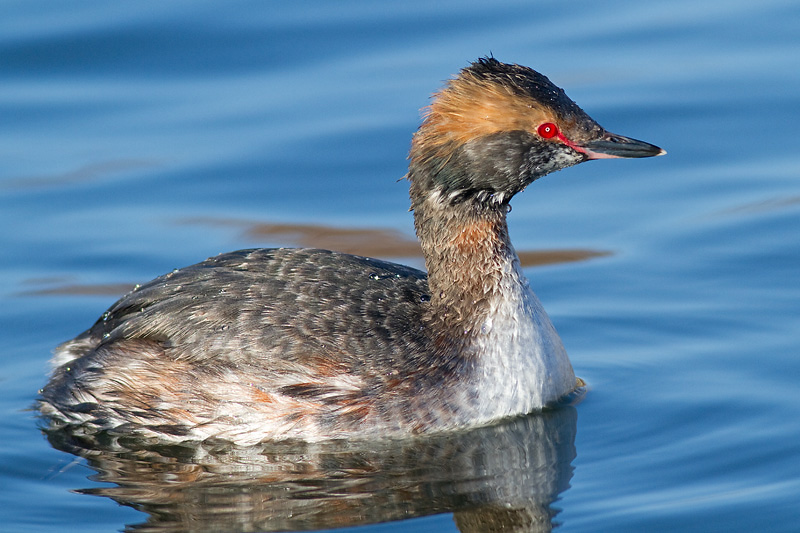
x=268, y=344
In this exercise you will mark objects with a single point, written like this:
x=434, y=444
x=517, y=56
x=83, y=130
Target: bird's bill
x=612, y=146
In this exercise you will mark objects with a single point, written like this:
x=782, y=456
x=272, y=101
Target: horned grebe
x=311, y=344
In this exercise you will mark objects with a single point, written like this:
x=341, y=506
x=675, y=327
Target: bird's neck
x=483, y=310
x=469, y=257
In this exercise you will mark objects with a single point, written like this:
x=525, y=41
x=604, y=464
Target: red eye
x=548, y=130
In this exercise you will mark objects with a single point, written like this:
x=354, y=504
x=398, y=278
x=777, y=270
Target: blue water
x=138, y=137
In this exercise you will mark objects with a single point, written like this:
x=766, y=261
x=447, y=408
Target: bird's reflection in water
x=499, y=478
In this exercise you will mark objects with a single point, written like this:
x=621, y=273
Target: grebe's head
x=496, y=127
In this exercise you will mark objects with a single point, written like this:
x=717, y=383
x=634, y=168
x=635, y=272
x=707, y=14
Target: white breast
x=524, y=365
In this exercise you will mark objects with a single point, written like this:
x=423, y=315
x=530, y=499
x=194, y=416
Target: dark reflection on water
x=499, y=478
x=369, y=242
x=372, y=242
x=98, y=171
